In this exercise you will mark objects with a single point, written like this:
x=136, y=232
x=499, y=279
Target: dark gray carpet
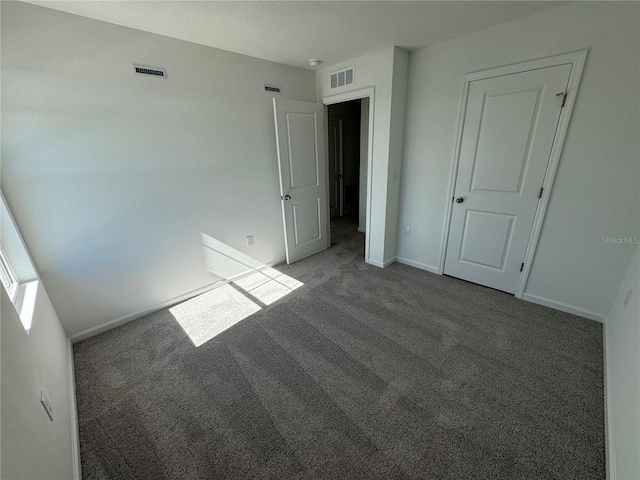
x=361, y=373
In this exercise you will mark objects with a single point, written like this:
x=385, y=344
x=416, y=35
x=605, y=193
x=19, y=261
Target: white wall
x=622, y=335
x=383, y=71
x=112, y=177
x=396, y=137
x=33, y=447
x=596, y=189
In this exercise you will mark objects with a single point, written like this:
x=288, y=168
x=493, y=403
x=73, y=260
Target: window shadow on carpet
x=246, y=286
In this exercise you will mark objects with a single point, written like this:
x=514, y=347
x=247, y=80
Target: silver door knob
x=287, y=197
x=459, y=200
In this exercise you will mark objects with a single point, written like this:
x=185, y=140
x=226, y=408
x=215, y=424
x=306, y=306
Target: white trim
x=388, y=262
x=536, y=64
x=111, y=324
x=362, y=230
x=421, y=266
x=375, y=263
x=326, y=175
x=8, y=275
x=610, y=451
x=453, y=173
x=563, y=307
x=379, y=264
x=103, y=327
x=346, y=97
x=577, y=59
x=75, y=433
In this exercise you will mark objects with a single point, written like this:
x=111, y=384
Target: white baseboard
x=563, y=307
x=379, y=264
x=362, y=230
x=421, y=266
x=375, y=263
x=610, y=454
x=388, y=262
x=103, y=327
x=75, y=434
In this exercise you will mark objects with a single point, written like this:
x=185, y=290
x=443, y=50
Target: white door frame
x=577, y=59
x=367, y=92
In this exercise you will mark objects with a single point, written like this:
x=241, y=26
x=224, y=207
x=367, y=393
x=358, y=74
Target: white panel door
x=508, y=131
x=302, y=166
x=336, y=185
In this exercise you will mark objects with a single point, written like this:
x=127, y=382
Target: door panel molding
x=504, y=223
x=480, y=146
x=576, y=60
x=294, y=127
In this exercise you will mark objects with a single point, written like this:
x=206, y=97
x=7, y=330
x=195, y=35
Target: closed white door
x=508, y=132
x=302, y=167
x=336, y=185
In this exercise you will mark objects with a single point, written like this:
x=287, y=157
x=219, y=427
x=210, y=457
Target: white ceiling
x=292, y=32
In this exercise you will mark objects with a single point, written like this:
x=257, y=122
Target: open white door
x=302, y=166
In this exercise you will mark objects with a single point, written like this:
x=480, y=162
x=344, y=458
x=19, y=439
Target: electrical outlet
x=46, y=403
x=407, y=232
x=250, y=242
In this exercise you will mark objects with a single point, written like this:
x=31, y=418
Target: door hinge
x=541, y=190
x=521, y=266
x=564, y=97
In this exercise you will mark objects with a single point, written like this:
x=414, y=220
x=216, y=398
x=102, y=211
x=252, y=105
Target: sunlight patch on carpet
x=252, y=286
x=209, y=314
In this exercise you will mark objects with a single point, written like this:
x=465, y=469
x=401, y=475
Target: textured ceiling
x=292, y=32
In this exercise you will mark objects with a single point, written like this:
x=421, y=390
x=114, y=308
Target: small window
x=8, y=275
x=17, y=273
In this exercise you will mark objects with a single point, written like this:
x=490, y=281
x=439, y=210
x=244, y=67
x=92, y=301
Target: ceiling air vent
x=342, y=78
x=272, y=89
x=150, y=71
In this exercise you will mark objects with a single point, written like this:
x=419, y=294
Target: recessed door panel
x=506, y=127
x=303, y=161
x=306, y=220
x=485, y=239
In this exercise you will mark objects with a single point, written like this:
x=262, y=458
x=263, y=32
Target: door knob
x=287, y=197
x=459, y=200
